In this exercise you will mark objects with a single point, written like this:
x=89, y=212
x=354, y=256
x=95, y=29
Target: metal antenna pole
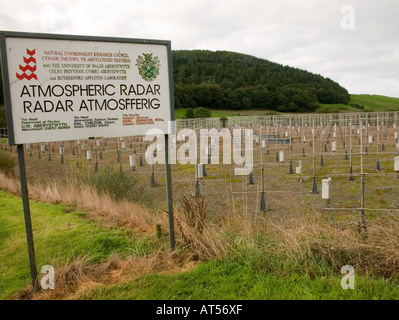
x=291, y=168
x=314, y=186
x=263, y=206
x=321, y=136
x=362, y=222
x=367, y=131
x=260, y=144
x=267, y=136
x=350, y=150
x=275, y=126
x=378, y=145
x=96, y=165
x=62, y=152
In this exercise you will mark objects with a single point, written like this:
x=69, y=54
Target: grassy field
x=336, y=108
x=376, y=102
x=114, y=250
x=238, y=278
x=372, y=103
x=61, y=235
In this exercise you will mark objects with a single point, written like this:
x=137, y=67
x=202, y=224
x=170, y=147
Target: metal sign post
x=27, y=217
x=169, y=195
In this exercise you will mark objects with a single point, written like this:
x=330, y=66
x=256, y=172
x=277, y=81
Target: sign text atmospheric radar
x=66, y=89
x=97, y=97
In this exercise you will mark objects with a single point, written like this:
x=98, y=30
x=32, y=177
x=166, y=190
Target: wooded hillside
x=228, y=80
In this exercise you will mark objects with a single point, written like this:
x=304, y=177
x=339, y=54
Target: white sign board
x=70, y=87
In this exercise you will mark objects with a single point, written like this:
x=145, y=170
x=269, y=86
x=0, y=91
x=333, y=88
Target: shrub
x=120, y=185
x=357, y=106
x=202, y=112
x=327, y=109
x=7, y=163
x=271, y=113
x=223, y=122
x=189, y=114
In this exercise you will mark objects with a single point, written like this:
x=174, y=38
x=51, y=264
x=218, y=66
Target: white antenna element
x=199, y=171
x=132, y=160
x=325, y=189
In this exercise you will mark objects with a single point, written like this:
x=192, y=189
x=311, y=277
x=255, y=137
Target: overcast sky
x=354, y=42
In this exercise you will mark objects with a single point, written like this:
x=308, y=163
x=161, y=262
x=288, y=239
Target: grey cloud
x=303, y=34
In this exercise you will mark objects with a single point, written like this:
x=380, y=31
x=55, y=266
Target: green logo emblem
x=148, y=66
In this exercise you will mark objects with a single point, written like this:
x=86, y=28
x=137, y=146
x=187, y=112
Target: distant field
x=336, y=108
x=179, y=114
x=375, y=102
x=371, y=103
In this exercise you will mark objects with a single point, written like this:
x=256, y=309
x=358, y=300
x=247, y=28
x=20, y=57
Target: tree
x=282, y=100
x=202, y=112
x=189, y=114
x=299, y=101
x=202, y=95
x=292, y=107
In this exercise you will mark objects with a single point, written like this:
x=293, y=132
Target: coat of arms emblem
x=148, y=66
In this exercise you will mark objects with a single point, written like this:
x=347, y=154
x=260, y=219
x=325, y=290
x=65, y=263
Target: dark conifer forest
x=229, y=80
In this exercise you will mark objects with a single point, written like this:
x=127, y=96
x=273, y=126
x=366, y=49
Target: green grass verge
x=253, y=274
x=238, y=278
x=58, y=236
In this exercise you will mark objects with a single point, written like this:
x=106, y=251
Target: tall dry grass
x=121, y=213
x=281, y=241
x=314, y=245
x=305, y=237
x=203, y=240
x=77, y=276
